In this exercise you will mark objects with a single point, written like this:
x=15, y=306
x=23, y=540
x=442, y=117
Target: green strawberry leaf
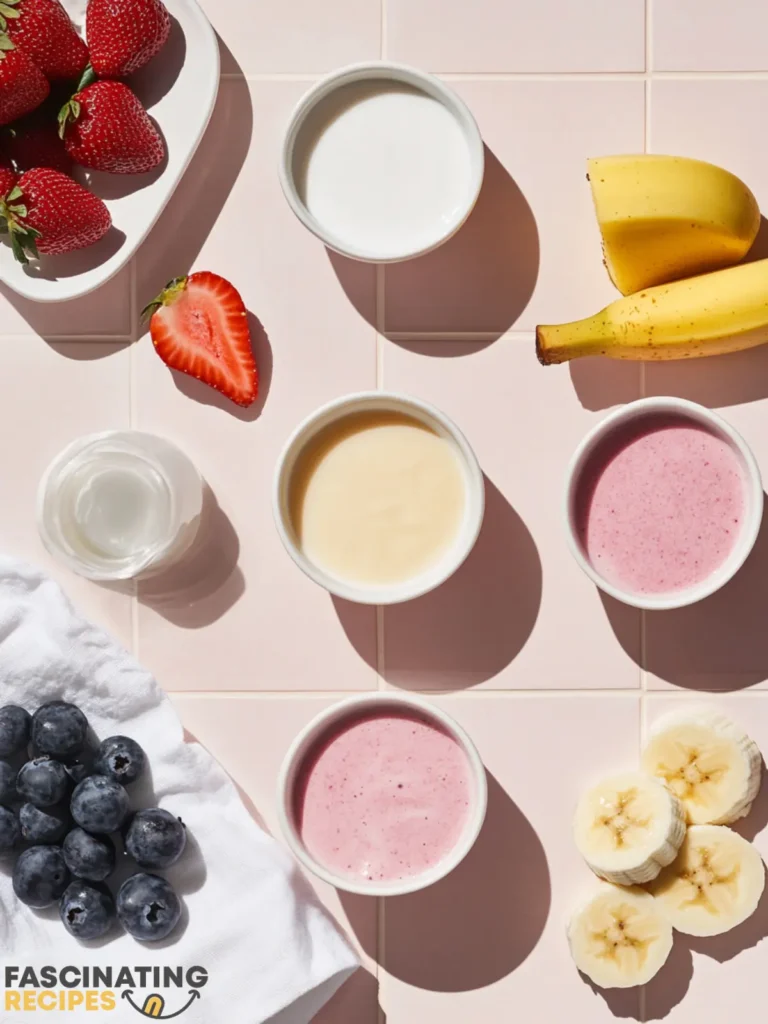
x=87, y=78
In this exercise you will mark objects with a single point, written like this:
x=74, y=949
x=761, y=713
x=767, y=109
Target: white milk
x=384, y=168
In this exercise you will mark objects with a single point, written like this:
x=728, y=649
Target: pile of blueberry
x=64, y=805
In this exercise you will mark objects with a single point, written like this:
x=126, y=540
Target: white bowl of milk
x=378, y=497
x=382, y=162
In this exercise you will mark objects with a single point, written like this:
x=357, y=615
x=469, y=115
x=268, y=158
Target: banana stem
x=557, y=343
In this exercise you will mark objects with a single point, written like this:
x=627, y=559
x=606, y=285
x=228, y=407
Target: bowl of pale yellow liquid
x=378, y=497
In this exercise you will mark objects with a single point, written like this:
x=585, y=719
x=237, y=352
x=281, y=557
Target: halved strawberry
x=199, y=326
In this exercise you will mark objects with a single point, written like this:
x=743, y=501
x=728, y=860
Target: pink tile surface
x=495, y=35
x=500, y=622
x=530, y=252
x=102, y=314
x=716, y=979
x=244, y=595
x=68, y=390
x=301, y=36
x=249, y=736
x=709, y=35
x=550, y=679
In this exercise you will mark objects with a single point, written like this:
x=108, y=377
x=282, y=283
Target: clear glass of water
x=119, y=505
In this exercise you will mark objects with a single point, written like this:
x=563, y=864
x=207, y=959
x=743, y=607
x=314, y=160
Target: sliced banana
x=708, y=762
x=620, y=937
x=628, y=827
x=714, y=884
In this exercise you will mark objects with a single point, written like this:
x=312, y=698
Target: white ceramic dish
x=179, y=88
x=384, y=401
x=387, y=72
x=754, y=499
x=325, y=721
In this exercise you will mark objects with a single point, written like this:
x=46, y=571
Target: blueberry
x=59, y=729
x=7, y=783
x=14, y=729
x=120, y=758
x=155, y=839
x=87, y=910
x=40, y=876
x=89, y=857
x=148, y=907
x=77, y=771
x=99, y=805
x=44, y=827
x=10, y=833
x=43, y=782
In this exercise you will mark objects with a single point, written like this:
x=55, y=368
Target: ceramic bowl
x=332, y=717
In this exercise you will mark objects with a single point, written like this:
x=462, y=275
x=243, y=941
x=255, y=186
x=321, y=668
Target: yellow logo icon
x=154, y=1005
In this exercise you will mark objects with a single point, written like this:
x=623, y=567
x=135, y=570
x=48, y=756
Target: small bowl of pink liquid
x=663, y=503
x=382, y=795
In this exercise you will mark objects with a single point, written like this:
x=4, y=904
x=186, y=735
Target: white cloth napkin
x=249, y=920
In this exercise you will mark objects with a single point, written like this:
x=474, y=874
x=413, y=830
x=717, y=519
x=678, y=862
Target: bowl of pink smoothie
x=663, y=503
x=382, y=795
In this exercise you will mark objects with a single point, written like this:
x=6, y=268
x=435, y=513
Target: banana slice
x=620, y=937
x=708, y=762
x=628, y=827
x=714, y=884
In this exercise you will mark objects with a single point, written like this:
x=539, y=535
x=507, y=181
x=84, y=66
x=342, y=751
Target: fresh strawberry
x=23, y=86
x=199, y=326
x=48, y=212
x=7, y=177
x=35, y=142
x=104, y=126
x=43, y=29
x=123, y=35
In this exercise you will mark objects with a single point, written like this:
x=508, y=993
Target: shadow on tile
x=475, y=624
x=716, y=381
x=207, y=582
x=356, y=1002
x=745, y=936
x=720, y=643
x=626, y=625
x=174, y=243
x=670, y=985
x=479, y=281
x=479, y=923
x=757, y=819
x=601, y=383
x=205, y=395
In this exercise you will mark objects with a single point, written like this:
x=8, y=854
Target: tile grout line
x=459, y=695
x=133, y=293
x=531, y=76
x=381, y=285
x=642, y=999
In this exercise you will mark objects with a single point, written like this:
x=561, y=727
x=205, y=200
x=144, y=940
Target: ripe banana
x=666, y=217
x=701, y=316
x=628, y=827
x=714, y=884
x=620, y=937
x=708, y=762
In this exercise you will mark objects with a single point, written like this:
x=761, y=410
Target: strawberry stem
x=22, y=237
x=167, y=296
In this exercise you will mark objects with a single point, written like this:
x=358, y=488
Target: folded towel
x=252, y=941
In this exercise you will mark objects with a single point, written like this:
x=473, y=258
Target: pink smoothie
x=661, y=506
x=383, y=797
